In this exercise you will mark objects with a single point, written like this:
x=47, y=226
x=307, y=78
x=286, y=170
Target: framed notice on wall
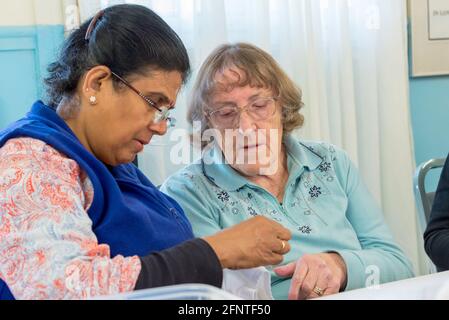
x=429, y=37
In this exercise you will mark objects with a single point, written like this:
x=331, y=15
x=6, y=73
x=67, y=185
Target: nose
x=246, y=122
x=160, y=128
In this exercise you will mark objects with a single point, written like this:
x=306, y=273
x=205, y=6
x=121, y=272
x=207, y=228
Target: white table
x=428, y=287
x=178, y=292
x=421, y=288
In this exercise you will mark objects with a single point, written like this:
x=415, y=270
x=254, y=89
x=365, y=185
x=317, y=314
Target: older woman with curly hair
x=340, y=240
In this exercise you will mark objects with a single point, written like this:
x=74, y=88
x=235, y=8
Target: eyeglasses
x=228, y=116
x=162, y=113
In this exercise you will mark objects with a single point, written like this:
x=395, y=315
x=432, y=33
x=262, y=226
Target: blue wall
x=25, y=53
x=430, y=119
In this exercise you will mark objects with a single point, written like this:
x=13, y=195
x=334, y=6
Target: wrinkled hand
x=315, y=275
x=250, y=244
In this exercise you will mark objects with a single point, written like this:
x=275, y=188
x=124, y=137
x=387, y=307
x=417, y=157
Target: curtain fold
x=350, y=59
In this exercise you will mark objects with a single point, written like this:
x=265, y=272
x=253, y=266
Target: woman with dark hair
x=77, y=220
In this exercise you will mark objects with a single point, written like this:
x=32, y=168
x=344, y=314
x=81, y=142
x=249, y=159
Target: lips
x=143, y=142
x=140, y=145
x=251, y=146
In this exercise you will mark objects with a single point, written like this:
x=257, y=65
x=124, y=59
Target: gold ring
x=283, y=245
x=319, y=292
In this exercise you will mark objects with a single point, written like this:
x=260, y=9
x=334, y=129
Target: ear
x=94, y=81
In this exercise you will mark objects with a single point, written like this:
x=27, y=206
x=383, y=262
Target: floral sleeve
x=47, y=247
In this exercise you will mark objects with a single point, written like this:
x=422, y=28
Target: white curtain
x=350, y=59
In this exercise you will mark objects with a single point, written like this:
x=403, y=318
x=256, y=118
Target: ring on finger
x=318, y=291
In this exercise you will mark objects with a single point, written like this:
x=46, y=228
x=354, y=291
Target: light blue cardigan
x=326, y=206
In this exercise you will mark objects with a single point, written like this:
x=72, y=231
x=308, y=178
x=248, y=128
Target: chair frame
x=422, y=200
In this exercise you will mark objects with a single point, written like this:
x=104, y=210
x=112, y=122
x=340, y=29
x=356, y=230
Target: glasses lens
x=171, y=122
x=262, y=109
x=259, y=110
x=164, y=115
x=225, y=116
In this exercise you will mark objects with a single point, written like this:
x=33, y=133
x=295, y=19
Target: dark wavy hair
x=126, y=38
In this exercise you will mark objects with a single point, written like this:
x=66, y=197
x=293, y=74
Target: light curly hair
x=256, y=68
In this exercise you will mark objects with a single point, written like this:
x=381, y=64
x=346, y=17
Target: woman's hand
x=315, y=275
x=253, y=243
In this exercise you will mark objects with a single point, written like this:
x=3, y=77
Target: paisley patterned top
x=47, y=247
x=326, y=207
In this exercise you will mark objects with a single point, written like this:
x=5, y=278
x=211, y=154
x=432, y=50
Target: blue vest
x=128, y=212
